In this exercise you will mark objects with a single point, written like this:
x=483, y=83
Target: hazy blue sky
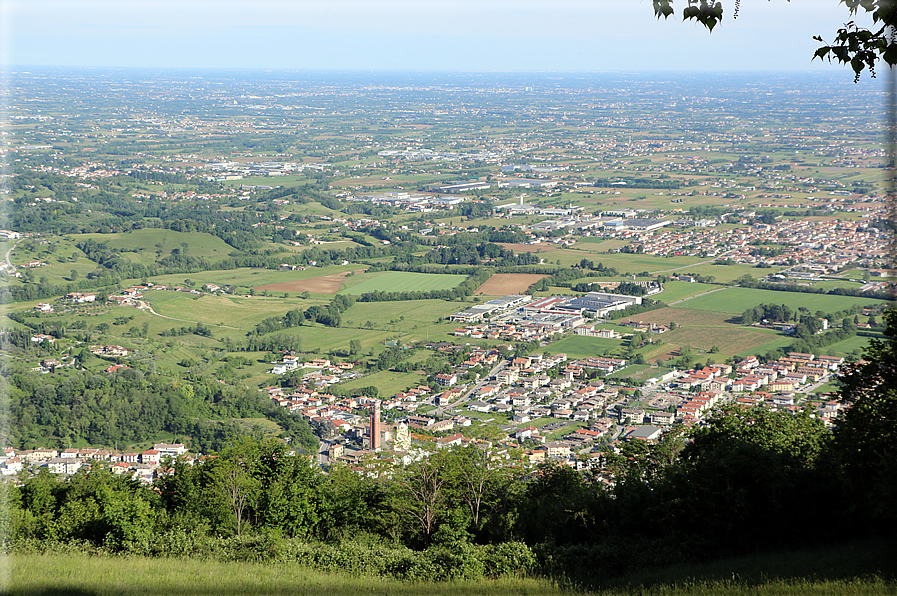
x=480, y=35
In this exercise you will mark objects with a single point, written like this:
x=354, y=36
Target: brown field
x=324, y=284
x=502, y=284
x=518, y=248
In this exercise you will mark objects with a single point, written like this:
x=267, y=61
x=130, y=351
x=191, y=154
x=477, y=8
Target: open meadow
x=400, y=281
x=738, y=300
x=148, y=245
x=856, y=569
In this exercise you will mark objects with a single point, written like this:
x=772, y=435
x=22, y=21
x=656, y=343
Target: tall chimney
x=375, y=426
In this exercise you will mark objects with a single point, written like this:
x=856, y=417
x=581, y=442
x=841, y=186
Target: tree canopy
x=852, y=44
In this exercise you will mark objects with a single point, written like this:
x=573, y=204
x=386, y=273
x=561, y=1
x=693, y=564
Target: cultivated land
x=502, y=284
x=324, y=284
x=738, y=300
x=394, y=281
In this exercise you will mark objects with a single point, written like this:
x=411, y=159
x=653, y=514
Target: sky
x=437, y=35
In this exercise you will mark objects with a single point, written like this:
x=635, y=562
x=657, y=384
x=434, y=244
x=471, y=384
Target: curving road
x=10, y=267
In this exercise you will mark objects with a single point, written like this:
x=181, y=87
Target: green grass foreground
x=850, y=570
x=82, y=575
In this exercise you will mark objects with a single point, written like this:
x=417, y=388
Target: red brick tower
x=375, y=426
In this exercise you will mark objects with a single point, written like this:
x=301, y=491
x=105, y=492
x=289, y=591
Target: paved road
x=10, y=267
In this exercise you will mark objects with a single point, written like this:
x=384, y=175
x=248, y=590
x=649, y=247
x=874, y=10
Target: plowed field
x=502, y=284
x=324, y=284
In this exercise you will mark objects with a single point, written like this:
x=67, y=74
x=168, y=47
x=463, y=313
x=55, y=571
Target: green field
x=738, y=300
x=150, y=244
x=247, y=277
x=75, y=574
x=580, y=346
x=677, y=290
x=389, y=383
x=400, y=281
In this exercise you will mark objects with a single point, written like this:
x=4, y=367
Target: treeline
x=647, y=305
x=637, y=183
x=198, y=329
x=330, y=315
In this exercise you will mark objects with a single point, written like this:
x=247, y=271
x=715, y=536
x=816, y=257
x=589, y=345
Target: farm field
x=729, y=273
x=323, y=284
x=730, y=339
x=580, y=346
x=387, y=382
x=738, y=300
x=503, y=284
x=401, y=281
x=677, y=290
x=400, y=315
x=233, y=311
x=249, y=277
x=631, y=263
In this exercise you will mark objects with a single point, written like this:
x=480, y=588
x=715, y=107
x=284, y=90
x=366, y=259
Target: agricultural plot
x=631, y=263
x=400, y=315
x=323, y=284
x=738, y=300
x=503, y=284
x=730, y=339
x=389, y=383
x=249, y=277
x=678, y=290
x=401, y=281
x=729, y=273
x=233, y=311
x=580, y=346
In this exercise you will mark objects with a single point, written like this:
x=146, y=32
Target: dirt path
x=686, y=266
x=701, y=294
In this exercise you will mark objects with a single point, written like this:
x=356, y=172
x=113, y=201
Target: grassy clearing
x=738, y=300
x=853, y=345
x=249, y=276
x=148, y=245
x=729, y=273
x=580, y=346
x=400, y=281
x=389, y=383
x=402, y=315
x=233, y=311
x=677, y=290
x=623, y=262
